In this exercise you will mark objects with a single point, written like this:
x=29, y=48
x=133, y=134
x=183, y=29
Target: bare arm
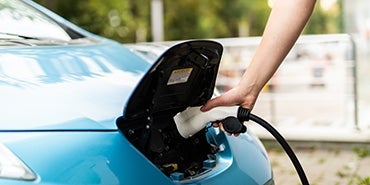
x=285, y=24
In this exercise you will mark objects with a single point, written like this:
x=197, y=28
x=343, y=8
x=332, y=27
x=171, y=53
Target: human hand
x=234, y=97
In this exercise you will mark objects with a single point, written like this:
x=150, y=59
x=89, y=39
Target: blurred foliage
x=129, y=20
x=326, y=20
x=213, y=19
x=122, y=20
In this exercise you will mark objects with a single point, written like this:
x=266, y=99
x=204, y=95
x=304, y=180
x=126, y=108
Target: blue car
x=76, y=108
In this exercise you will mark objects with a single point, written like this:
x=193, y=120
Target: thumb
x=210, y=104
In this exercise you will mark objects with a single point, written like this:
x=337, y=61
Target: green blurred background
x=130, y=20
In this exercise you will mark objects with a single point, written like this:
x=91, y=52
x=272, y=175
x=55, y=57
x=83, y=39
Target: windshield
x=17, y=18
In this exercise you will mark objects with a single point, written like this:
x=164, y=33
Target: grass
x=362, y=152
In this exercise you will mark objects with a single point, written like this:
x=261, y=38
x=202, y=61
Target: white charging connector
x=192, y=120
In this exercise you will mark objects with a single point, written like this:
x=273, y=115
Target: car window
x=17, y=18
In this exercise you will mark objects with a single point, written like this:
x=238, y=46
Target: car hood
x=183, y=76
x=66, y=87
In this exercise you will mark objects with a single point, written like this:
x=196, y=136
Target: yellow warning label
x=179, y=76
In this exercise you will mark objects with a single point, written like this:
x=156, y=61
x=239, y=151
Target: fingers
x=229, y=98
x=222, y=100
x=211, y=104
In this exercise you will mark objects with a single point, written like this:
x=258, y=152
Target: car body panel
x=97, y=157
x=83, y=158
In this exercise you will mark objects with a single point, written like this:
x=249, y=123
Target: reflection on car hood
x=66, y=87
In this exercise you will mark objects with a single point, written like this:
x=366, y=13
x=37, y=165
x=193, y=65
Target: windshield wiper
x=31, y=40
x=20, y=36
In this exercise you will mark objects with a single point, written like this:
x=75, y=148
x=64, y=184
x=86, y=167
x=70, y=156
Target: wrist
x=251, y=84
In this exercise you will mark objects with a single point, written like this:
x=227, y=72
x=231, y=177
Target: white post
x=157, y=20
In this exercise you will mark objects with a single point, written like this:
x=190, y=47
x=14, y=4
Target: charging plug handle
x=232, y=125
x=243, y=114
x=235, y=125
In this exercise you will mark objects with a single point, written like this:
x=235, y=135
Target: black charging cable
x=235, y=125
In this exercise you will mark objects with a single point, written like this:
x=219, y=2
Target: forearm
x=286, y=22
